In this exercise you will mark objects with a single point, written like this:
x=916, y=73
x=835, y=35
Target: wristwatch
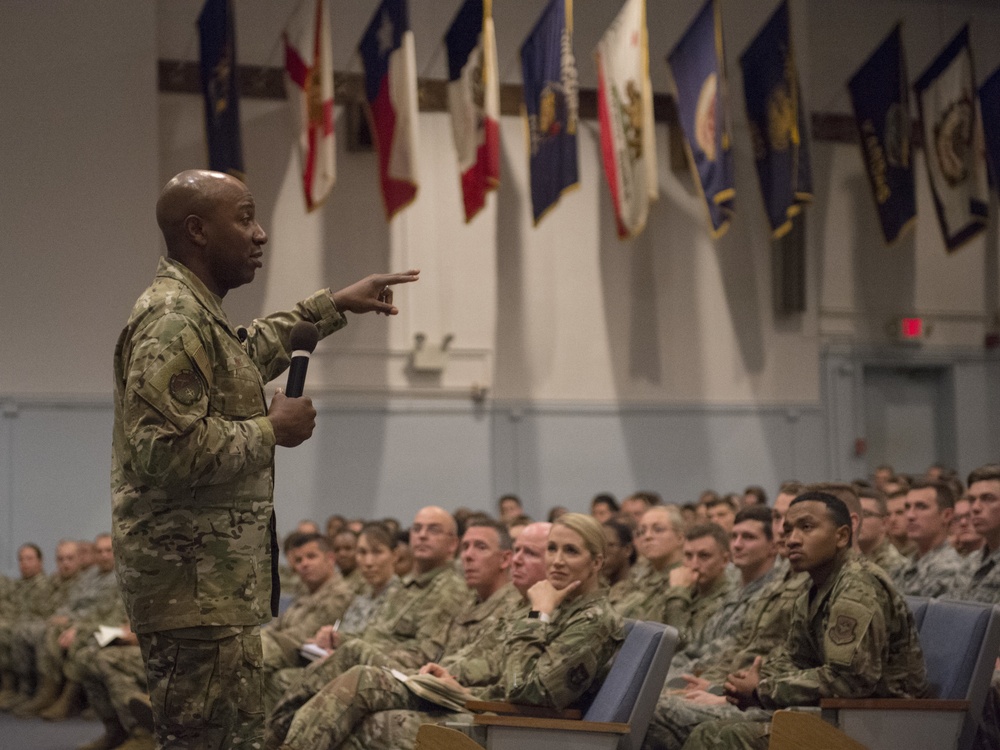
x=536, y=615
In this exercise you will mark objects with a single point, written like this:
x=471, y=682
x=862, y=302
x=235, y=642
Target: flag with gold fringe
x=778, y=122
x=474, y=101
x=309, y=84
x=217, y=38
x=880, y=95
x=953, y=138
x=697, y=68
x=551, y=106
x=389, y=58
x=625, y=111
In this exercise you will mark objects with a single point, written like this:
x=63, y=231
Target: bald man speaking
x=192, y=474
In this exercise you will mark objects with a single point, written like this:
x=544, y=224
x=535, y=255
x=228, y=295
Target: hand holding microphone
x=292, y=416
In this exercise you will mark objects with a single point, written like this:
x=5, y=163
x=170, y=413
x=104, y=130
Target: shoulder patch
x=844, y=630
x=577, y=676
x=185, y=387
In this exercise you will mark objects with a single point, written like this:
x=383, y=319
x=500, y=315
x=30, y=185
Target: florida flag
x=309, y=83
x=390, y=63
x=474, y=101
x=625, y=109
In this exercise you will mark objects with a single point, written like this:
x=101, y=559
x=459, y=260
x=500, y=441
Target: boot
x=69, y=703
x=114, y=735
x=140, y=739
x=8, y=689
x=48, y=693
x=142, y=712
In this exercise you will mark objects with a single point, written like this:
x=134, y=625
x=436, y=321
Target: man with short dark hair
x=509, y=507
x=853, y=636
x=981, y=581
x=635, y=506
x=345, y=551
x=698, y=587
x=962, y=535
x=28, y=600
x=895, y=521
x=873, y=541
x=935, y=568
x=722, y=512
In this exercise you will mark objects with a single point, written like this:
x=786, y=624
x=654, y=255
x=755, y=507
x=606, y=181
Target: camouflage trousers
x=675, y=718
x=26, y=638
x=111, y=677
x=205, y=687
x=311, y=680
x=354, y=710
x=730, y=734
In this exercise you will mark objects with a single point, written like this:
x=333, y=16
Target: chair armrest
x=894, y=704
x=519, y=709
x=564, y=725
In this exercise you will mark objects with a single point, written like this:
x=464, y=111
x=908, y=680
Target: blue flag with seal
x=953, y=138
x=989, y=103
x=777, y=122
x=216, y=30
x=880, y=95
x=551, y=106
x=697, y=67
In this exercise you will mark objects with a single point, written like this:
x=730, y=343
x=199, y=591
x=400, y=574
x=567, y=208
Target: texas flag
x=474, y=101
x=309, y=82
x=389, y=59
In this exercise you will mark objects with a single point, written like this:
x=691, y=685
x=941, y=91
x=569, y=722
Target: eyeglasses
x=434, y=529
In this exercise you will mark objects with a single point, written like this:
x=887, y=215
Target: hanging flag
x=697, y=67
x=216, y=31
x=474, y=101
x=880, y=95
x=989, y=100
x=952, y=129
x=551, y=106
x=309, y=83
x=390, y=63
x=625, y=110
x=777, y=120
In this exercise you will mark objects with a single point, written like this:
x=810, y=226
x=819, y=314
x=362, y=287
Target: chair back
x=960, y=641
x=632, y=687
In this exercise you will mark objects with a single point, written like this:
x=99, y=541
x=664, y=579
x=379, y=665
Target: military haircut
x=702, y=530
x=985, y=473
x=759, y=513
x=874, y=493
x=944, y=493
x=845, y=492
x=791, y=487
x=758, y=492
x=32, y=545
x=840, y=514
x=301, y=538
x=503, y=533
x=605, y=498
x=717, y=501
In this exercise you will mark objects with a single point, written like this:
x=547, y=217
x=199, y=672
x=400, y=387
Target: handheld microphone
x=303, y=340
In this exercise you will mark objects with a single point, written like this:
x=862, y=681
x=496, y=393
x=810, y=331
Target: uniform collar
x=173, y=269
x=423, y=579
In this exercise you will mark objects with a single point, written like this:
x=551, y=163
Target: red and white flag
x=474, y=101
x=309, y=82
x=625, y=110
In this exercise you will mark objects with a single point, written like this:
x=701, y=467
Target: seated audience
x=895, y=521
x=754, y=495
x=659, y=541
x=722, y=512
x=962, y=535
x=873, y=540
x=620, y=554
x=699, y=586
x=345, y=548
x=27, y=600
x=604, y=507
x=634, y=507
x=981, y=579
x=935, y=567
x=509, y=508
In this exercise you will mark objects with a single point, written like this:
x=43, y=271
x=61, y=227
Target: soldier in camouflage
x=193, y=460
x=408, y=631
x=873, y=540
x=935, y=568
x=981, y=579
x=659, y=539
x=851, y=636
x=26, y=600
x=330, y=715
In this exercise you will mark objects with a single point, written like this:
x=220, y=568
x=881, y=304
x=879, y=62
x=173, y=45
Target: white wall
x=655, y=363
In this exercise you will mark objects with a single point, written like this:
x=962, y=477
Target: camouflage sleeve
x=176, y=441
x=853, y=643
x=676, y=611
x=267, y=338
x=543, y=668
x=451, y=595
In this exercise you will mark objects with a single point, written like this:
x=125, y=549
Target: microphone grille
x=304, y=336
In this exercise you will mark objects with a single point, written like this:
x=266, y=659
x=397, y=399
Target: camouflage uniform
x=887, y=557
x=563, y=662
x=852, y=637
x=356, y=581
x=936, y=574
x=980, y=581
x=111, y=677
x=409, y=631
x=366, y=690
x=641, y=596
x=365, y=606
x=687, y=609
x=192, y=491
x=29, y=599
x=28, y=633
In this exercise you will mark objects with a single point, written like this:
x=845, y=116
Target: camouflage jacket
x=935, y=574
x=366, y=606
x=94, y=599
x=980, y=582
x=641, y=596
x=887, y=557
x=851, y=637
x=688, y=610
x=561, y=663
x=30, y=598
x=479, y=662
x=411, y=627
x=308, y=612
x=59, y=592
x=193, y=454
